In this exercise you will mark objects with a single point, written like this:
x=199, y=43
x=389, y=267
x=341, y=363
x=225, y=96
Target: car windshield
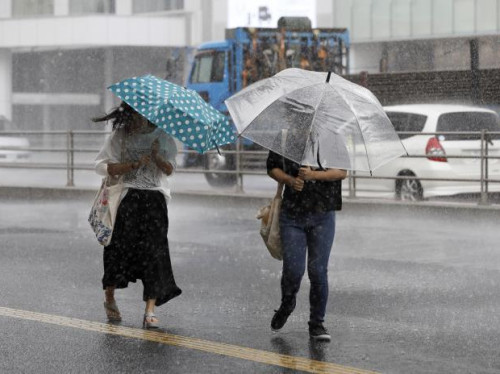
x=208, y=67
x=407, y=122
x=468, y=121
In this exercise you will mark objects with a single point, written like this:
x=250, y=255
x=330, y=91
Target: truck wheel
x=215, y=162
x=409, y=189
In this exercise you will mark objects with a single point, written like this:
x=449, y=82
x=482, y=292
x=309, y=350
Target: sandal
x=148, y=322
x=112, y=311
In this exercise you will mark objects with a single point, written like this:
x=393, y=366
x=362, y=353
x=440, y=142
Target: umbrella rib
x=312, y=123
x=272, y=102
x=361, y=132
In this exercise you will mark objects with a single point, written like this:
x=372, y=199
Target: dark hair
x=121, y=116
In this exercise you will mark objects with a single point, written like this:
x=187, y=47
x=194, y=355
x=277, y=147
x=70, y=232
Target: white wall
x=195, y=21
x=219, y=19
x=123, y=7
x=93, y=31
x=5, y=8
x=325, y=13
x=410, y=19
x=246, y=13
x=61, y=7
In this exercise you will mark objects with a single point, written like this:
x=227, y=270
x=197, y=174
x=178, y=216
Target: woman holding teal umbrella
x=142, y=150
x=144, y=155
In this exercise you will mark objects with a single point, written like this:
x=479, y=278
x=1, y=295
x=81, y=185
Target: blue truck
x=247, y=55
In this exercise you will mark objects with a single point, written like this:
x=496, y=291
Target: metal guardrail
x=70, y=165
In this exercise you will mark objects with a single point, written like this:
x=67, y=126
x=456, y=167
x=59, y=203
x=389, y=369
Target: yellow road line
x=270, y=358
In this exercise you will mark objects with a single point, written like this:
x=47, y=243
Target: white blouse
x=122, y=147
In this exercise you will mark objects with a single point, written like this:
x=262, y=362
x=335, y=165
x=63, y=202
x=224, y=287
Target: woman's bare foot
x=112, y=311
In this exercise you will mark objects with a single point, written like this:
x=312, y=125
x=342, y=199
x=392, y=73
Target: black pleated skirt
x=139, y=247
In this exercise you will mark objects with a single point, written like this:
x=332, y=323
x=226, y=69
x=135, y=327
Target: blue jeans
x=310, y=234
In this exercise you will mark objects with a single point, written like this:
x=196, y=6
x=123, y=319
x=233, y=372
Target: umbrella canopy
x=176, y=110
x=316, y=119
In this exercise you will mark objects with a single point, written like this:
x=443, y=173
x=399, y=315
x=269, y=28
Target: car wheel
x=409, y=189
x=216, y=162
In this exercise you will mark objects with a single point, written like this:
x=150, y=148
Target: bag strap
x=281, y=186
x=279, y=191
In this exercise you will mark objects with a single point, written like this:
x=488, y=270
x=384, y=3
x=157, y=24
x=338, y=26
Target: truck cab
x=210, y=73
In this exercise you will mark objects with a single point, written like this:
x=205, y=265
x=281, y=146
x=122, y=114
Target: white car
x=12, y=148
x=435, y=118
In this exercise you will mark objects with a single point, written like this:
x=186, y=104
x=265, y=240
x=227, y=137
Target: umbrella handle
x=319, y=162
x=212, y=135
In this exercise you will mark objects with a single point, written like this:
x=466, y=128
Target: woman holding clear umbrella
x=144, y=155
x=307, y=228
x=320, y=120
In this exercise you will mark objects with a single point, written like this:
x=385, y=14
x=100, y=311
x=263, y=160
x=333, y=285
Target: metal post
x=484, y=195
x=486, y=168
x=239, y=175
x=349, y=183
x=352, y=184
x=70, y=160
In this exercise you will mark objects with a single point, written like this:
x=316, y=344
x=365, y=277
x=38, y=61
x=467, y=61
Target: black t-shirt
x=316, y=196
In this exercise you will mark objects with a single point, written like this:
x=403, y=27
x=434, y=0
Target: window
x=208, y=67
x=407, y=122
x=91, y=6
x=24, y=8
x=141, y=6
x=468, y=121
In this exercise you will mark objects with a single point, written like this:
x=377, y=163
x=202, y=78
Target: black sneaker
x=279, y=318
x=318, y=332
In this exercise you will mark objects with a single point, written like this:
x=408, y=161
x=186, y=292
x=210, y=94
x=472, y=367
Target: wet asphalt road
x=411, y=291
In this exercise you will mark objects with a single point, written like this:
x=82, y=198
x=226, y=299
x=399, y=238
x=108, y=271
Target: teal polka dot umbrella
x=176, y=110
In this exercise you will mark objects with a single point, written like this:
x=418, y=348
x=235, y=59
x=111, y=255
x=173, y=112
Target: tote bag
x=270, y=216
x=270, y=226
x=102, y=215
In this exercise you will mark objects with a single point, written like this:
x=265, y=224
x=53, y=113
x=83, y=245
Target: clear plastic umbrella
x=316, y=119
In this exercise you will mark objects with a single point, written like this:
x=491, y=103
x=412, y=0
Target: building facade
x=58, y=56
x=420, y=35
